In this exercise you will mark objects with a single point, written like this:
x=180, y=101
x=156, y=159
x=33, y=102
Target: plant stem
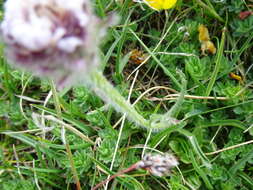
x=104, y=89
x=158, y=122
x=173, y=112
x=109, y=94
x=131, y=168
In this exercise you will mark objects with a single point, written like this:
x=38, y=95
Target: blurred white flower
x=157, y=164
x=55, y=38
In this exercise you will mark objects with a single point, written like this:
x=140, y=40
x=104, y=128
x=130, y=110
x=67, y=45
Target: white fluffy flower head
x=55, y=38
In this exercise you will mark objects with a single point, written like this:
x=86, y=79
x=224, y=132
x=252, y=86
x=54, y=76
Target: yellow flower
x=160, y=4
x=204, y=39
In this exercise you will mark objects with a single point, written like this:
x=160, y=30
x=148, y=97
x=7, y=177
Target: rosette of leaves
x=242, y=28
x=106, y=148
x=18, y=184
x=82, y=161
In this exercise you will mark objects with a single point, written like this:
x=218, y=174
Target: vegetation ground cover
x=213, y=147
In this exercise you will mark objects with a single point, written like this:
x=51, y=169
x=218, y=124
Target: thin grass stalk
x=166, y=71
x=67, y=147
x=210, y=10
x=217, y=65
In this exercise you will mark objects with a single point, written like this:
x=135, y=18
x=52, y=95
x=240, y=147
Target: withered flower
x=157, y=164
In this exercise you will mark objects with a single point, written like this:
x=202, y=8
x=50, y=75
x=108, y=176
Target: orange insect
x=137, y=56
x=236, y=77
x=204, y=39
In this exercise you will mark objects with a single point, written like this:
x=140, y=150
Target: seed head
x=158, y=165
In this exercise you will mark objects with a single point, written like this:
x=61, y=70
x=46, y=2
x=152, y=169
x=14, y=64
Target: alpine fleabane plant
x=59, y=39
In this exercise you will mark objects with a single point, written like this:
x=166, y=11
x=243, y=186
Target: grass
x=73, y=140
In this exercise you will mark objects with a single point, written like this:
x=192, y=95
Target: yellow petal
x=167, y=4
x=203, y=33
x=160, y=4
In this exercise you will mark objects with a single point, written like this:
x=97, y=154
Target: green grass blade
x=217, y=64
